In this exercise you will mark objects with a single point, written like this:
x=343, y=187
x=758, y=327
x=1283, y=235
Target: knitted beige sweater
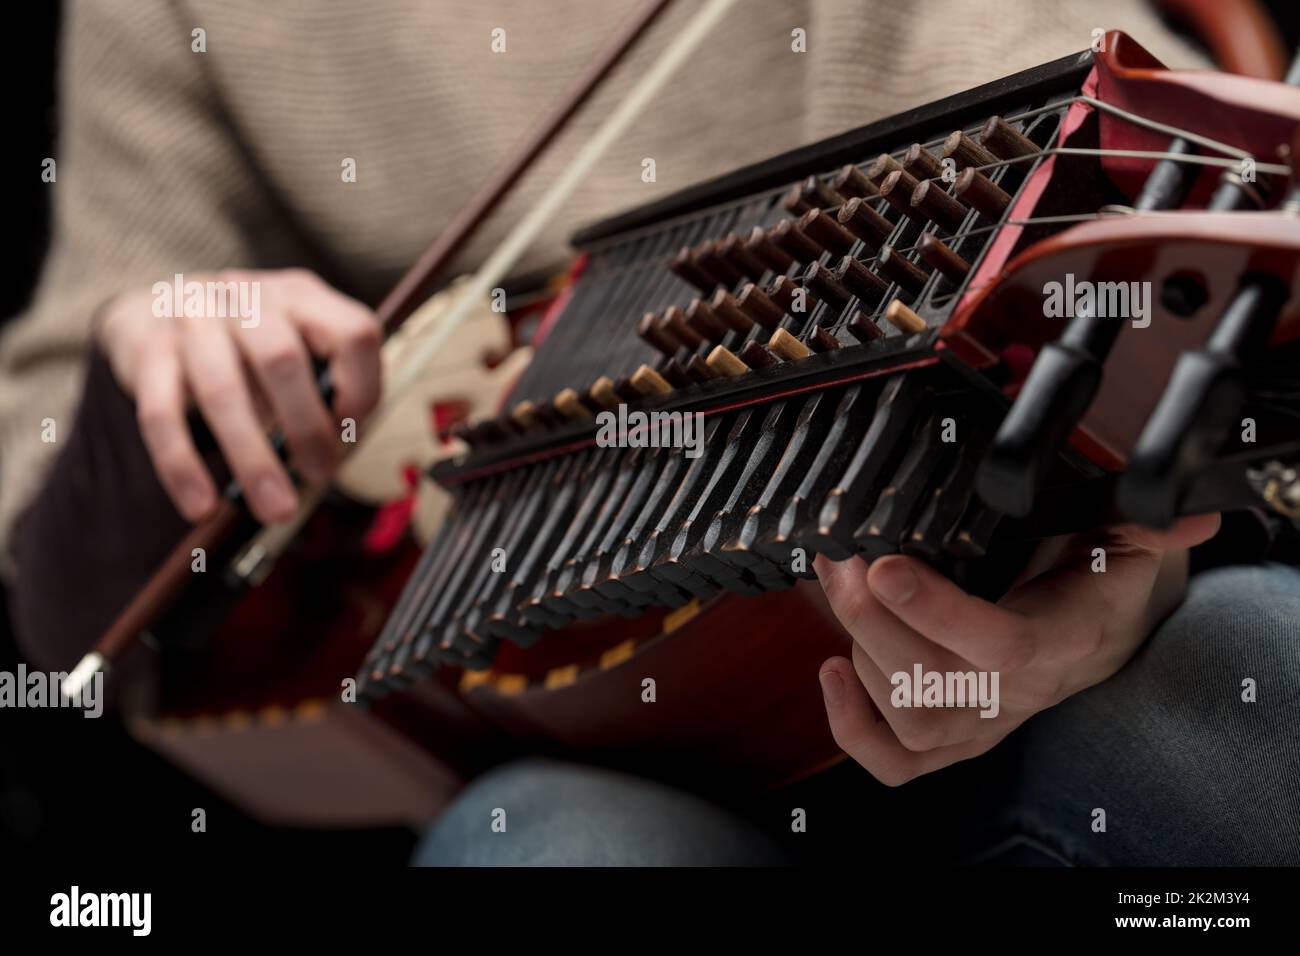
x=171, y=160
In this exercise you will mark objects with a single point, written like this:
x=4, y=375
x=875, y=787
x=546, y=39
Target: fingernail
x=893, y=582
x=832, y=687
x=275, y=497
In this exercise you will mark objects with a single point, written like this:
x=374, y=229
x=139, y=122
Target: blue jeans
x=1185, y=770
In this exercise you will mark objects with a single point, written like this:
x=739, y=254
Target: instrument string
x=1273, y=169
x=1231, y=159
x=477, y=288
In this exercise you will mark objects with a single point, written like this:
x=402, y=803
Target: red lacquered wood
x=737, y=695
x=1218, y=248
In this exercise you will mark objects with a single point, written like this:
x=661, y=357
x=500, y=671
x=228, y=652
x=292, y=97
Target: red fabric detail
x=445, y=415
x=388, y=527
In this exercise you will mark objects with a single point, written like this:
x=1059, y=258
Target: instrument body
x=249, y=697
x=732, y=686
x=968, y=355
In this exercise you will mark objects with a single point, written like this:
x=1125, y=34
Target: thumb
x=1183, y=533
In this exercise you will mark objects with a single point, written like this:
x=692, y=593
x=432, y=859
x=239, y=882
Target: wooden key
x=603, y=394
x=904, y=319
x=755, y=356
x=489, y=429
x=649, y=382
x=896, y=189
x=546, y=413
x=725, y=308
x=1000, y=137
x=823, y=228
x=982, y=193
x=701, y=319
x=524, y=415
x=722, y=361
x=850, y=182
x=650, y=329
x=676, y=374
x=861, y=281
x=882, y=166
x=791, y=297
x=822, y=281
x=786, y=235
x=756, y=304
x=674, y=320
x=863, y=329
x=823, y=340
x=787, y=346
x=965, y=152
x=771, y=255
x=932, y=201
x=626, y=391
x=859, y=218
x=939, y=255
x=732, y=249
x=901, y=270
x=709, y=259
x=699, y=370
x=920, y=163
x=817, y=193
x=683, y=266
x=793, y=202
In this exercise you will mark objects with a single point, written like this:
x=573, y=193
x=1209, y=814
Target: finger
x=884, y=649
x=990, y=637
x=892, y=644
x=845, y=586
x=861, y=732
x=1073, y=602
x=160, y=412
x=902, y=704
x=1183, y=533
x=212, y=366
x=855, y=720
x=346, y=333
x=276, y=354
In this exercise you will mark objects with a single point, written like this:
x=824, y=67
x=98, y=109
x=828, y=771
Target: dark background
x=69, y=786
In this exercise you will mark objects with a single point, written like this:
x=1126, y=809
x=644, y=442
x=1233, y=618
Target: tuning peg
x=1199, y=406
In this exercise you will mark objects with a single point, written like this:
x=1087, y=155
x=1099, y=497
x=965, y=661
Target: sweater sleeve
x=150, y=181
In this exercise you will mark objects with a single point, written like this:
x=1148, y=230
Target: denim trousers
x=1189, y=756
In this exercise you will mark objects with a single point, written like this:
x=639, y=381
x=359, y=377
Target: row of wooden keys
x=758, y=292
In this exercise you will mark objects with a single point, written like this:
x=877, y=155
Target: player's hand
x=244, y=371
x=1061, y=630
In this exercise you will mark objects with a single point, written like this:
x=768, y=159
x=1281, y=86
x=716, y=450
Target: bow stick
x=168, y=580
